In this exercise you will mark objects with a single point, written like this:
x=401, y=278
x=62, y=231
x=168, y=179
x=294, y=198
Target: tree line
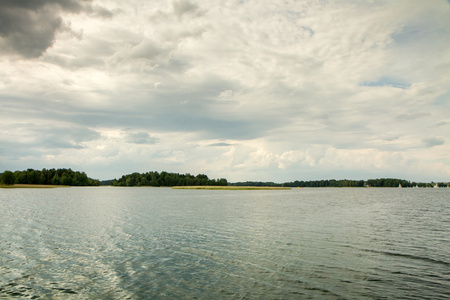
x=326, y=183
x=392, y=182
x=166, y=179
x=311, y=183
x=380, y=182
x=48, y=176
x=75, y=178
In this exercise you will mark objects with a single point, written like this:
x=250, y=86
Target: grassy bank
x=31, y=186
x=230, y=188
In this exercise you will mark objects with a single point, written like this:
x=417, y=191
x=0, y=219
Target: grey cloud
x=441, y=123
x=391, y=138
x=28, y=27
x=433, y=141
x=174, y=66
x=308, y=31
x=147, y=56
x=411, y=116
x=146, y=49
x=183, y=7
x=176, y=36
x=15, y=148
x=100, y=11
x=157, y=52
x=220, y=145
x=177, y=107
x=25, y=33
x=180, y=8
x=69, y=5
x=46, y=138
x=165, y=117
x=141, y=138
x=68, y=137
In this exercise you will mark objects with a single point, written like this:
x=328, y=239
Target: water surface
x=140, y=243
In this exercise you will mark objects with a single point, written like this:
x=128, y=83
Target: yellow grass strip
x=230, y=188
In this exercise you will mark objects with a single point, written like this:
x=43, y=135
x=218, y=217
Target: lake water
x=151, y=243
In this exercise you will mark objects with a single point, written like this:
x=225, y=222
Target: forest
x=48, y=177
x=167, y=179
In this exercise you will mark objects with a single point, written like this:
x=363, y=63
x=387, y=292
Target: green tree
x=32, y=176
x=130, y=181
x=8, y=178
x=66, y=179
x=21, y=177
x=55, y=180
x=42, y=178
x=222, y=181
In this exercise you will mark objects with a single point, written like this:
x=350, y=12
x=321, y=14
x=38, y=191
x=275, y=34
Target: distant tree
x=130, y=181
x=154, y=179
x=222, y=182
x=42, y=178
x=21, y=177
x=66, y=179
x=32, y=176
x=55, y=180
x=8, y=178
x=143, y=181
x=93, y=182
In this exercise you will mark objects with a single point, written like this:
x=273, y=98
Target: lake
x=152, y=243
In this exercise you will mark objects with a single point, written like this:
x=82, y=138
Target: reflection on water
x=141, y=243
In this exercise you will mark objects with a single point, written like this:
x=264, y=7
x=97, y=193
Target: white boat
x=399, y=185
x=436, y=186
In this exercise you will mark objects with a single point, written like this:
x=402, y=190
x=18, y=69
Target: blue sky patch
x=386, y=81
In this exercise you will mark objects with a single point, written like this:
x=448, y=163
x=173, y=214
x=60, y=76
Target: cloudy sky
x=245, y=90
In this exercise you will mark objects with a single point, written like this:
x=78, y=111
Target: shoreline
x=32, y=186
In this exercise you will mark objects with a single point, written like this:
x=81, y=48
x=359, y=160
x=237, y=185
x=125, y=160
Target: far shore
x=229, y=187
x=32, y=186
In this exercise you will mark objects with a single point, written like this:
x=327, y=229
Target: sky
x=243, y=90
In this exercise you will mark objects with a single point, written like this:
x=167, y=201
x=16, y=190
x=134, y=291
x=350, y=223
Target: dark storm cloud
x=26, y=33
x=28, y=27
